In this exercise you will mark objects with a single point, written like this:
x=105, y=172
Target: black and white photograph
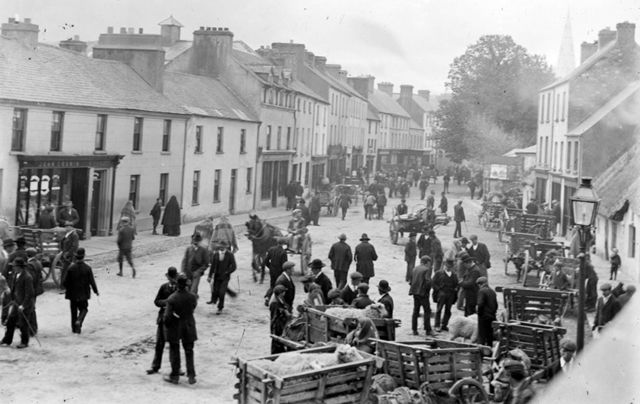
x=319, y=201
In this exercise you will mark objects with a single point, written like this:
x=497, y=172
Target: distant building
x=583, y=118
x=422, y=108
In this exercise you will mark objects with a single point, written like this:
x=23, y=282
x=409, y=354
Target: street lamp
x=584, y=209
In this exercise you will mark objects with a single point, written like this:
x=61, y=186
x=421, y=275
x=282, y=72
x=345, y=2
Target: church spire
x=566, y=57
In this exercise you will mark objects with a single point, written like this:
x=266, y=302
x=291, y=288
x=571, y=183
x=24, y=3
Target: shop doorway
x=99, y=177
x=232, y=191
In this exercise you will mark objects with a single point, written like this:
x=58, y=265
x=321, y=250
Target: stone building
x=93, y=132
x=583, y=118
x=421, y=107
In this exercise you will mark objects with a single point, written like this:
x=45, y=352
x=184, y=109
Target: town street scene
x=331, y=202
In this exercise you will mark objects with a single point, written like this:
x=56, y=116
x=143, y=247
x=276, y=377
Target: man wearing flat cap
x=364, y=256
x=350, y=291
x=126, y=235
x=419, y=290
x=78, y=285
x=564, y=365
x=362, y=300
x=487, y=309
x=280, y=313
x=286, y=280
x=166, y=290
x=195, y=262
x=341, y=257
x=606, y=308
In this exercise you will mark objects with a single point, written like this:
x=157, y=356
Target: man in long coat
x=223, y=264
x=364, y=256
x=21, y=304
x=436, y=251
x=195, y=262
x=160, y=301
x=445, y=293
x=320, y=278
x=480, y=253
x=458, y=217
x=487, y=309
x=410, y=254
x=78, y=285
x=341, y=257
x=419, y=289
x=180, y=326
x=274, y=260
x=468, y=283
x=606, y=308
x=314, y=209
x=286, y=280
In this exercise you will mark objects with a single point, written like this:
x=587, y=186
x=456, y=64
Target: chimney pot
x=131, y=30
x=27, y=20
x=123, y=30
x=109, y=30
x=201, y=28
x=12, y=20
x=587, y=49
x=140, y=31
x=226, y=28
x=76, y=37
x=605, y=36
x=626, y=34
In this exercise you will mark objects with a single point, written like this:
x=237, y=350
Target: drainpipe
x=255, y=174
x=113, y=194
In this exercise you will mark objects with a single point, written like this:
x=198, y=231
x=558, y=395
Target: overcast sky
x=401, y=41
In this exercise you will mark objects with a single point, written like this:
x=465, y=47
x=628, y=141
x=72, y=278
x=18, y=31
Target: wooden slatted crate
x=324, y=327
x=344, y=383
x=540, y=342
x=439, y=362
x=525, y=304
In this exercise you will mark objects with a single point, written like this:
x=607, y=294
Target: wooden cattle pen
x=526, y=304
x=323, y=327
x=342, y=383
x=439, y=363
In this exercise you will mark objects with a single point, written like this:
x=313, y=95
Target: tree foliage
x=493, y=106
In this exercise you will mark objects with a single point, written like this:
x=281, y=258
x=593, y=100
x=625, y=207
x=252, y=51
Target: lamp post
x=584, y=209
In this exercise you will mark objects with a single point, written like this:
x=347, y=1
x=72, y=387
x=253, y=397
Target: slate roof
x=170, y=21
x=201, y=95
x=620, y=182
x=372, y=114
x=584, y=66
x=609, y=106
x=53, y=75
x=387, y=105
x=301, y=88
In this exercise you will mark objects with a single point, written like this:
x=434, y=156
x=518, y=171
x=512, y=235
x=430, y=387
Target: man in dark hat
x=419, y=289
x=34, y=266
x=385, y=297
x=304, y=211
x=350, y=291
x=444, y=203
x=480, y=253
x=78, y=285
x=286, y=280
x=470, y=275
x=606, y=308
x=402, y=207
x=223, y=264
x=126, y=235
x=6, y=272
x=280, y=313
x=320, y=278
x=410, y=254
x=274, y=260
x=364, y=256
x=341, y=257
x=47, y=218
x=487, y=309
x=362, y=300
x=195, y=262
x=445, y=292
x=21, y=304
x=180, y=326
x=68, y=246
x=160, y=301
x=458, y=217
x=436, y=251
x=68, y=216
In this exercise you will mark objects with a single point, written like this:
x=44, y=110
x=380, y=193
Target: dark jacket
x=290, y=294
x=306, y=214
x=46, y=220
x=424, y=245
x=348, y=295
x=179, y=323
x=436, y=249
x=444, y=205
x=605, y=312
x=22, y=291
x=195, y=259
x=160, y=301
x=387, y=300
x=275, y=258
x=172, y=215
x=325, y=285
x=458, y=213
x=487, y=303
x=79, y=282
x=70, y=243
x=68, y=216
x=340, y=256
x=364, y=256
x=222, y=269
x=445, y=286
x=314, y=205
x=402, y=209
x=34, y=266
x=126, y=235
x=420, y=281
x=156, y=211
x=468, y=282
x=481, y=255
x=362, y=302
x=410, y=252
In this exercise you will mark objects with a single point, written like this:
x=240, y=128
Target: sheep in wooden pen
x=375, y=310
x=465, y=327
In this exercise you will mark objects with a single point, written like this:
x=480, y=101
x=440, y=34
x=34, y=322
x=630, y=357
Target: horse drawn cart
x=530, y=305
x=420, y=220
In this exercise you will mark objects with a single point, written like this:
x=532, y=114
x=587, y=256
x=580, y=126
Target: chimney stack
x=363, y=84
x=626, y=34
x=170, y=31
x=386, y=87
x=210, y=51
x=319, y=62
x=109, y=30
x=424, y=94
x=406, y=91
x=74, y=44
x=333, y=69
x=25, y=32
x=142, y=52
x=292, y=55
x=605, y=36
x=587, y=49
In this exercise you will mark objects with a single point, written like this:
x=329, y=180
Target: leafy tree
x=493, y=106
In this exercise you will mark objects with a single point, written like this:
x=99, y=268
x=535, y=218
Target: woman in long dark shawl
x=171, y=218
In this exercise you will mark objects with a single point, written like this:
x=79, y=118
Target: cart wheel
x=469, y=391
x=56, y=269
